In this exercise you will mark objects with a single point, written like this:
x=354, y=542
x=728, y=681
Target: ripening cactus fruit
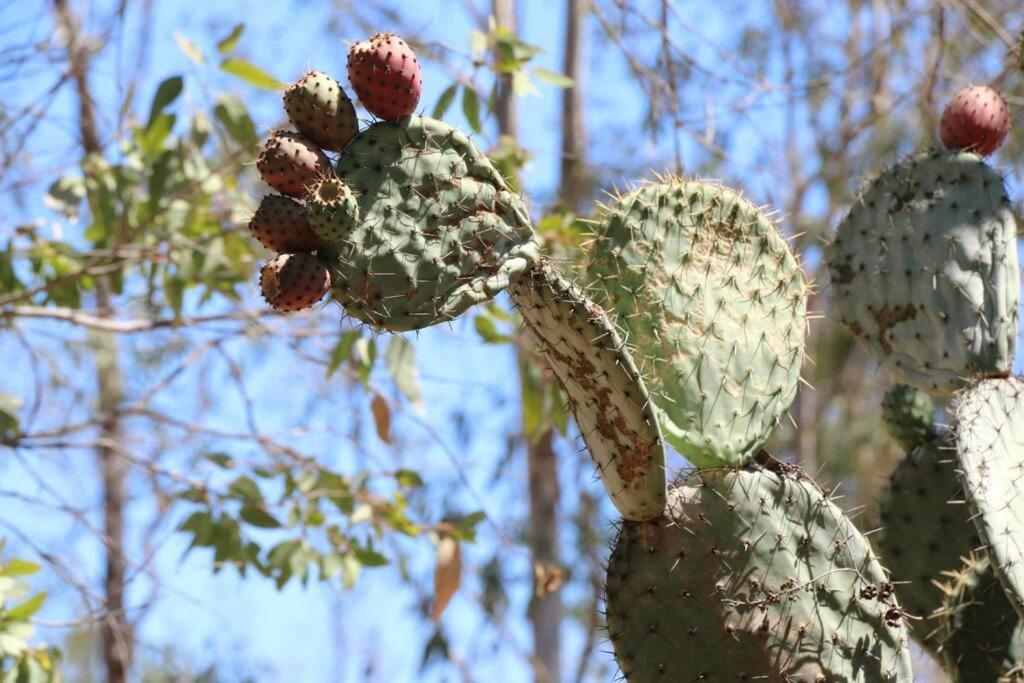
x=976, y=120
x=386, y=76
x=606, y=393
x=715, y=307
x=909, y=416
x=333, y=210
x=752, y=575
x=924, y=271
x=439, y=228
x=293, y=282
x=320, y=109
x=290, y=163
x=990, y=448
x=281, y=224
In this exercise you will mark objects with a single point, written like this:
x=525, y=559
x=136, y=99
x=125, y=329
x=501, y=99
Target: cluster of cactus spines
x=333, y=210
x=290, y=163
x=751, y=575
x=982, y=636
x=321, y=110
x=924, y=271
x=715, y=306
x=293, y=282
x=386, y=76
x=926, y=529
x=990, y=447
x=439, y=228
x=909, y=416
x=976, y=119
x=281, y=224
x=606, y=394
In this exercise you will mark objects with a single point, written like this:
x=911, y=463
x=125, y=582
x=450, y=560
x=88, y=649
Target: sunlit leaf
x=408, y=479
x=10, y=406
x=250, y=73
x=26, y=609
x=471, y=107
x=553, y=78
x=190, y=49
x=18, y=567
x=231, y=112
x=227, y=44
x=400, y=357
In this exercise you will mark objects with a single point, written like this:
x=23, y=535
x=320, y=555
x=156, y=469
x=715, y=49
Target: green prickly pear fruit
x=320, y=109
x=909, y=415
x=386, y=76
x=439, y=228
x=715, y=306
x=976, y=120
x=926, y=530
x=982, y=635
x=290, y=163
x=924, y=271
x=606, y=393
x=280, y=224
x=752, y=575
x=293, y=282
x=333, y=210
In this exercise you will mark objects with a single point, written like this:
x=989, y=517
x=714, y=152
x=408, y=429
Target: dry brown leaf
x=447, y=574
x=381, y=417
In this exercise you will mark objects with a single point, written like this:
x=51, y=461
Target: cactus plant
x=290, y=163
x=752, y=575
x=714, y=303
x=292, y=282
x=439, y=228
x=606, y=393
x=924, y=271
x=386, y=76
x=990, y=447
x=976, y=119
x=321, y=110
x=909, y=415
x=281, y=224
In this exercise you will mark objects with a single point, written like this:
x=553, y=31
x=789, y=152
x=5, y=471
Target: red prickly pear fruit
x=290, y=163
x=976, y=119
x=293, y=282
x=386, y=76
x=282, y=225
x=321, y=110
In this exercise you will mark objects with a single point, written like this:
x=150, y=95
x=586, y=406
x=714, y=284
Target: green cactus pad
x=926, y=531
x=752, y=575
x=909, y=415
x=990, y=447
x=714, y=303
x=605, y=391
x=924, y=271
x=440, y=230
x=982, y=635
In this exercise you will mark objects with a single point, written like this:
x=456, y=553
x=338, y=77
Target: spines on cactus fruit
x=715, y=306
x=926, y=530
x=439, y=228
x=292, y=282
x=291, y=163
x=924, y=271
x=752, y=575
x=320, y=109
x=909, y=415
x=976, y=119
x=281, y=224
x=982, y=635
x=606, y=394
x=990, y=447
x=333, y=210
x=386, y=76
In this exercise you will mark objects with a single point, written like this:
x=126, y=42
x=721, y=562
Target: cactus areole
x=924, y=271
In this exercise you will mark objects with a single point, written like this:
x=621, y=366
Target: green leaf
x=349, y=570
x=18, y=567
x=400, y=358
x=251, y=74
x=368, y=557
x=190, y=49
x=234, y=116
x=553, y=78
x=65, y=196
x=408, y=479
x=245, y=488
x=330, y=565
x=258, y=517
x=342, y=350
x=471, y=107
x=222, y=460
x=10, y=406
x=445, y=101
x=26, y=609
x=488, y=330
x=230, y=41
x=166, y=93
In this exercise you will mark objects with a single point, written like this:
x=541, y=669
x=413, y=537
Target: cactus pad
x=714, y=303
x=924, y=270
x=752, y=575
x=606, y=394
x=990, y=446
x=439, y=228
x=909, y=416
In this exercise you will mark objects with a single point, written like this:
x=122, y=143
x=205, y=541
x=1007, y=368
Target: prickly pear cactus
x=990, y=447
x=290, y=163
x=439, y=228
x=926, y=531
x=909, y=415
x=714, y=303
x=982, y=635
x=924, y=271
x=333, y=210
x=282, y=225
x=752, y=575
x=320, y=108
x=606, y=393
